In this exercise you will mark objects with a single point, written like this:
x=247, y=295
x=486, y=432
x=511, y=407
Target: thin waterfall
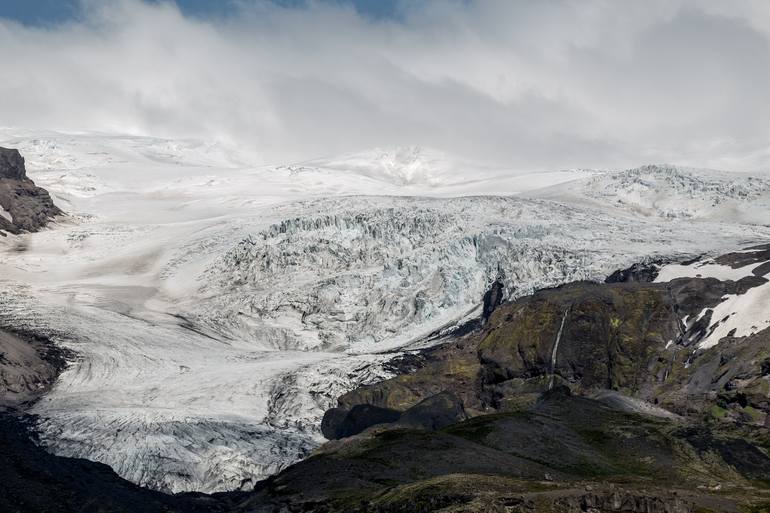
x=556, y=348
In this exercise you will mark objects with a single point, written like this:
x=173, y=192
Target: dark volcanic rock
x=591, y=335
x=755, y=254
x=338, y=423
x=435, y=412
x=640, y=272
x=12, y=165
x=29, y=365
x=32, y=481
x=332, y=422
x=25, y=207
x=492, y=299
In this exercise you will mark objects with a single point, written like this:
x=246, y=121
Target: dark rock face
x=32, y=481
x=453, y=367
x=12, y=165
x=760, y=253
x=641, y=272
x=605, y=335
x=516, y=386
x=435, y=412
x=492, y=299
x=25, y=207
x=29, y=365
x=338, y=423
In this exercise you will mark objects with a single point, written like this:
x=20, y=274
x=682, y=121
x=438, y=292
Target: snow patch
x=739, y=316
x=705, y=269
x=5, y=214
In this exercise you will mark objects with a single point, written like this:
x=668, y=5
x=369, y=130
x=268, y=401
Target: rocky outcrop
x=493, y=298
x=29, y=365
x=32, y=481
x=338, y=423
x=24, y=207
x=623, y=501
x=12, y=165
x=640, y=272
x=435, y=412
x=633, y=337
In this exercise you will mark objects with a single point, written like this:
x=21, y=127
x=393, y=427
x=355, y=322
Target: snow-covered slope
x=673, y=193
x=217, y=309
x=403, y=166
x=422, y=171
x=741, y=314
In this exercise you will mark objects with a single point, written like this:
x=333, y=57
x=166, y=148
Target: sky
x=525, y=84
x=50, y=12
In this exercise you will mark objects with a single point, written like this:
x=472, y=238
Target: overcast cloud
x=533, y=85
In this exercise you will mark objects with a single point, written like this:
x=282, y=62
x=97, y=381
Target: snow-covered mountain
x=403, y=166
x=673, y=193
x=218, y=309
x=422, y=171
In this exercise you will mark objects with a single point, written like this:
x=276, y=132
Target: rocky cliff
x=24, y=207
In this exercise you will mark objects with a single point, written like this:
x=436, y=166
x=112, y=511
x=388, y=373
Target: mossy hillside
x=469, y=492
x=611, y=337
x=624, y=337
x=560, y=444
x=454, y=367
x=730, y=381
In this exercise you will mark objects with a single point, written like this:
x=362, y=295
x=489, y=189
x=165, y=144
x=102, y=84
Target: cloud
x=533, y=85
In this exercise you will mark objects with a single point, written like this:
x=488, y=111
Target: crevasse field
x=217, y=309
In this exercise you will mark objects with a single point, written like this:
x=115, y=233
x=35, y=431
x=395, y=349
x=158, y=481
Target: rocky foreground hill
x=586, y=397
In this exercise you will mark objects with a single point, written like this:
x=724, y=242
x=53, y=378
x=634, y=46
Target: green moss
x=755, y=414
x=717, y=411
x=531, y=324
x=429, y=494
x=756, y=508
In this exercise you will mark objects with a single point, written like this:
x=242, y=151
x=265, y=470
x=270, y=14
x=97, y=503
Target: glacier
x=218, y=307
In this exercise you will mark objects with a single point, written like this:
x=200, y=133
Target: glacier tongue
x=369, y=274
